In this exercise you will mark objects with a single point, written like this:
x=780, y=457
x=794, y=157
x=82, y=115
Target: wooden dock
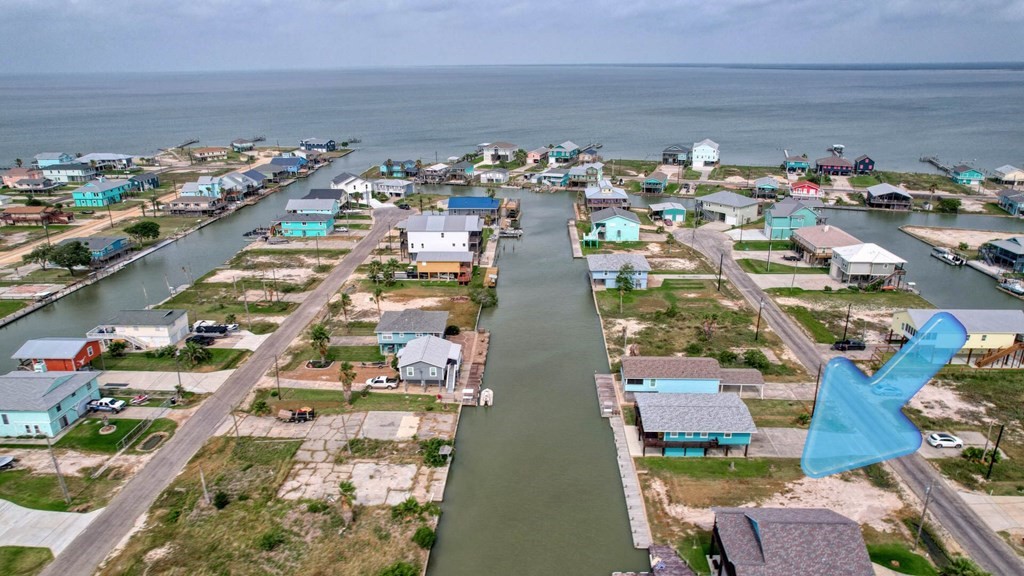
x=474, y=377
x=574, y=238
x=607, y=401
x=934, y=161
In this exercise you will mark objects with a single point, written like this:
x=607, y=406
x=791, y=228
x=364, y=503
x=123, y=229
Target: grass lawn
x=693, y=549
x=256, y=533
x=620, y=167
x=823, y=313
x=705, y=189
x=762, y=267
x=891, y=299
x=863, y=181
x=920, y=181
x=993, y=209
x=52, y=275
x=168, y=226
x=452, y=298
x=220, y=359
x=809, y=319
x=748, y=172
x=42, y=491
x=691, y=174
x=11, y=306
x=762, y=245
x=777, y=413
x=333, y=402
x=85, y=436
x=215, y=301
x=352, y=354
x=23, y=561
x=906, y=562
x=609, y=247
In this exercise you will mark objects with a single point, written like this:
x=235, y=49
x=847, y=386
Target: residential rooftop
x=429, y=349
x=23, y=391
x=54, y=347
x=414, y=321
x=976, y=321
x=604, y=262
x=669, y=412
x=607, y=213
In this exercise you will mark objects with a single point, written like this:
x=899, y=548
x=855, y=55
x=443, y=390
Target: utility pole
x=110, y=216
x=60, y=477
x=847, y=326
x=202, y=479
x=316, y=239
x=992, y=461
x=924, y=511
x=757, y=331
x=769, y=266
x=245, y=301
x=277, y=375
x=721, y=261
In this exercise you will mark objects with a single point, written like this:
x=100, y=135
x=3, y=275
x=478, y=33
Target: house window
x=703, y=434
x=689, y=434
x=38, y=431
x=387, y=337
x=58, y=406
x=634, y=381
x=410, y=371
x=5, y=419
x=984, y=337
x=28, y=429
x=88, y=385
x=433, y=372
x=727, y=435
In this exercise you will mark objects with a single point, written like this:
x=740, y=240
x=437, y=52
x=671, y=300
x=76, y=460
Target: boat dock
x=574, y=238
x=934, y=161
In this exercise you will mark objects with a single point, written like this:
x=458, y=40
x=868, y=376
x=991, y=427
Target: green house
x=303, y=225
x=790, y=214
x=563, y=153
x=612, y=225
x=963, y=174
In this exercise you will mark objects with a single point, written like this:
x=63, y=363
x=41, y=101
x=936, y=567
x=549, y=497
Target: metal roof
x=869, y=252
x=280, y=161
x=473, y=203
x=304, y=218
x=102, y=185
x=604, y=189
x=444, y=257
x=662, y=206
x=976, y=321
x=706, y=142
x=345, y=178
x=676, y=148
x=614, y=262
x=296, y=204
x=155, y=317
x=94, y=243
x=441, y=223
x=788, y=206
x=102, y=157
x=22, y=391
x=726, y=198
x=256, y=175
x=608, y=213
x=667, y=412
x=886, y=188
x=568, y=145
x=66, y=167
x=1013, y=245
x=766, y=181
x=413, y=320
x=56, y=348
x=429, y=350
x=50, y=155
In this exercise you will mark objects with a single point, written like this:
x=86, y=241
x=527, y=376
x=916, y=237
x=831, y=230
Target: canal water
x=534, y=488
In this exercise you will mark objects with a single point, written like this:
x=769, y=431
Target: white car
x=944, y=440
x=382, y=382
x=106, y=405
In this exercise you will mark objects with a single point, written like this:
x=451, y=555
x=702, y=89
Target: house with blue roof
x=101, y=192
x=289, y=165
x=612, y=225
x=782, y=218
x=690, y=425
x=474, y=206
x=964, y=174
x=44, y=403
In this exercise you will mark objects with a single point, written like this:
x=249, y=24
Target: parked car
x=341, y=229
x=106, y=405
x=944, y=440
x=844, y=345
x=232, y=327
x=404, y=206
x=7, y=462
x=382, y=382
x=212, y=330
x=201, y=340
x=791, y=258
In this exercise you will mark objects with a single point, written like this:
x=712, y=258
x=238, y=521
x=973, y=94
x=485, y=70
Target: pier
x=574, y=238
x=934, y=161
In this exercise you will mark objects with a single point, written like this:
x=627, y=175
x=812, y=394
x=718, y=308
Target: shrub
x=322, y=268
x=270, y=539
x=803, y=419
x=451, y=330
x=221, y=499
x=317, y=507
x=727, y=356
x=432, y=451
x=756, y=359
x=400, y=569
x=485, y=297
x=424, y=537
x=260, y=408
x=404, y=509
x=273, y=393
x=694, y=349
x=827, y=289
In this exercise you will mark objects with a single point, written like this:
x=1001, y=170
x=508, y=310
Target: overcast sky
x=95, y=35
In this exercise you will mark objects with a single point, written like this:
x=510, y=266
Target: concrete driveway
x=199, y=382
x=970, y=438
x=54, y=530
x=777, y=443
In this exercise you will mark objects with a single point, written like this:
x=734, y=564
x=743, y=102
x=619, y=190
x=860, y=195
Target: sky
x=193, y=35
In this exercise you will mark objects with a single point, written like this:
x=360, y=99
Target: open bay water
x=896, y=114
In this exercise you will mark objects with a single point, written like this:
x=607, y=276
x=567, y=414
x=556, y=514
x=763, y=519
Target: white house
x=107, y=161
x=704, y=152
x=440, y=233
x=394, y=188
x=352, y=184
x=143, y=329
x=65, y=173
x=494, y=176
x=865, y=263
x=729, y=207
x=1009, y=175
x=328, y=206
x=499, y=152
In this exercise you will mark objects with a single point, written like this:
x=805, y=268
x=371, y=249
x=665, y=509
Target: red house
x=58, y=354
x=805, y=189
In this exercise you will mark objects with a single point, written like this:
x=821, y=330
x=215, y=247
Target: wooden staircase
x=999, y=354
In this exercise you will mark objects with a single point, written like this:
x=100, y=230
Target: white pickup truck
x=106, y=405
x=382, y=382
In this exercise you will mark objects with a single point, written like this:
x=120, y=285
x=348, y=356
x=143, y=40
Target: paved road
x=85, y=553
x=976, y=538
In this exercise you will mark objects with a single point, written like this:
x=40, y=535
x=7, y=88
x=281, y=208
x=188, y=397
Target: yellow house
x=444, y=266
x=992, y=335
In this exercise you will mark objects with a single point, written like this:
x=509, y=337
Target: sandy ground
x=681, y=264
x=293, y=275
x=73, y=463
x=951, y=238
x=362, y=303
x=871, y=318
x=937, y=400
x=736, y=180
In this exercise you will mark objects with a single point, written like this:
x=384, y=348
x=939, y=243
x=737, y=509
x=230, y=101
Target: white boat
x=1013, y=288
x=947, y=256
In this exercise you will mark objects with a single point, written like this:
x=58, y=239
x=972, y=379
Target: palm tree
x=194, y=354
x=346, y=303
x=358, y=196
x=320, y=338
x=375, y=270
x=348, y=497
x=18, y=162
x=390, y=267
x=378, y=297
x=962, y=566
x=347, y=376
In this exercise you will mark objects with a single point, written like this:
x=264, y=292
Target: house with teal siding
x=612, y=225
x=680, y=374
x=47, y=159
x=963, y=174
x=767, y=187
x=655, y=183
x=44, y=403
x=103, y=248
x=303, y=225
x=563, y=153
x=782, y=218
x=673, y=211
x=101, y=192
x=210, y=186
x=396, y=329
x=692, y=424
x=797, y=164
x=1012, y=201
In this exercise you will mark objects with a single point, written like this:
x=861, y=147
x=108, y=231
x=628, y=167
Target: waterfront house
x=604, y=269
x=68, y=173
x=430, y=361
x=782, y=218
x=143, y=329
x=197, y=205
x=435, y=173
x=257, y=177
x=806, y=189
x=1012, y=201
x=766, y=187
x=729, y=207
x=302, y=225
x=396, y=329
x=474, y=205
x=237, y=185
x=863, y=164
x=13, y=175
x=47, y=159
x=312, y=157
x=494, y=176
x=558, y=177
x=964, y=174
x=865, y=263
x=564, y=153
x=655, y=183
x=332, y=194
x=604, y=195
x=703, y=153
x=289, y=165
x=888, y=196
x=538, y=156
x=691, y=424
x=393, y=188
x=440, y=233
x=1009, y=175
x=105, y=161
x=833, y=166
x=210, y=186
x=209, y=154
x=776, y=541
x=680, y=374
x=584, y=175
x=242, y=145
x=145, y=181
x=44, y=403
x=35, y=215
x=104, y=248
x=392, y=169
x=463, y=171
x=673, y=211
x=498, y=152
x=457, y=266
x=35, y=185
x=271, y=172
x=815, y=243
x=101, y=192
x=588, y=155
x=329, y=206
x=318, y=145
x=987, y=330
x=352, y=184
x=1008, y=253
x=796, y=164
x=675, y=154
x=57, y=354
x=612, y=225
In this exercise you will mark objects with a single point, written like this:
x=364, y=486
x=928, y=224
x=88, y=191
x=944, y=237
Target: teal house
x=790, y=214
x=303, y=225
x=563, y=153
x=612, y=225
x=673, y=211
x=679, y=374
x=1012, y=201
x=693, y=424
x=796, y=164
x=44, y=403
x=103, y=248
x=766, y=187
x=101, y=192
x=396, y=329
x=963, y=174
x=655, y=183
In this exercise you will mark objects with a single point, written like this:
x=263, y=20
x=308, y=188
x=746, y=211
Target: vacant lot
x=333, y=401
x=23, y=561
x=747, y=172
x=220, y=359
x=823, y=313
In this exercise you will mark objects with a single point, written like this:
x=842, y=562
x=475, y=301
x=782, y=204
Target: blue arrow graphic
x=857, y=419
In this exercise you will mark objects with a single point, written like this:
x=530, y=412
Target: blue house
x=103, y=248
x=145, y=181
x=676, y=154
x=396, y=329
x=679, y=374
x=1012, y=201
x=462, y=170
x=303, y=225
x=797, y=164
x=44, y=403
x=612, y=225
x=604, y=269
x=554, y=177
x=766, y=187
x=45, y=159
x=1008, y=253
x=563, y=153
x=790, y=214
x=289, y=165
x=655, y=183
x=210, y=186
x=672, y=211
x=327, y=206
x=963, y=174
x=692, y=424
x=474, y=206
x=101, y=192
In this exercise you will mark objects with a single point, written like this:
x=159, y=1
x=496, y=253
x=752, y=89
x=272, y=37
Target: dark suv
x=844, y=345
x=200, y=340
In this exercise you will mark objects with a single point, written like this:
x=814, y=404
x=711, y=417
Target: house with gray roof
x=318, y=144
x=329, y=205
x=440, y=233
x=676, y=154
x=815, y=243
x=107, y=161
x=887, y=196
x=789, y=214
x=612, y=225
x=603, y=194
x=692, y=424
x=57, y=354
x=987, y=331
x=44, y=403
x=430, y=361
x=144, y=329
x=1007, y=253
x=605, y=269
x=103, y=248
x=396, y=329
x=786, y=541
x=496, y=152
x=682, y=374
x=729, y=207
